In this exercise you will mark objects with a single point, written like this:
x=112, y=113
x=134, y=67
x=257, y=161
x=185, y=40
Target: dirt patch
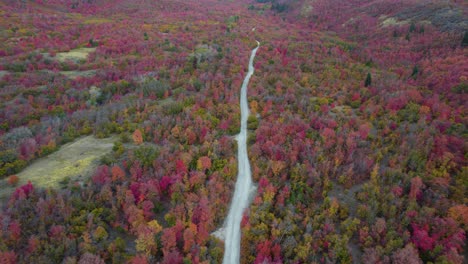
x=77, y=159
x=75, y=54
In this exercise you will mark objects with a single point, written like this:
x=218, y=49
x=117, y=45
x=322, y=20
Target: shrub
x=146, y=155
x=252, y=122
x=154, y=87
x=13, y=180
x=174, y=108
x=410, y=113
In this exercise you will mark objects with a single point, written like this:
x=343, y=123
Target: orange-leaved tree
x=137, y=137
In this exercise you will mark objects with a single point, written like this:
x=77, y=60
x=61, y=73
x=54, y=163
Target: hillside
x=357, y=134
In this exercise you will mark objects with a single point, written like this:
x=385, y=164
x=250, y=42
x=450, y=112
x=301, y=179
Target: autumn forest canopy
x=357, y=133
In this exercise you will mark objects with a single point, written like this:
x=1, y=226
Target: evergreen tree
x=368, y=80
x=465, y=39
x=412, y=27
x=415, y=72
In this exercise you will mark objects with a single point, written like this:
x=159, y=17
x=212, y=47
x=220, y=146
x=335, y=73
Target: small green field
x=75, y=54
x=75, y=160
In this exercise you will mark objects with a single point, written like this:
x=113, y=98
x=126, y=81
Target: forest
x=357, y=134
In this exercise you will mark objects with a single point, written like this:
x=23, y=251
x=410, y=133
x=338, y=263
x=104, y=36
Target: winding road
x=240, y=201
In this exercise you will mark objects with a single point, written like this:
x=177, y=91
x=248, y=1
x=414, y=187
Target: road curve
x=240, y=200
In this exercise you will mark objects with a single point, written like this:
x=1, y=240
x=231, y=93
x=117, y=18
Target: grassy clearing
x=75, y=54
x=76, y=74
x=75, y=160
x=391, y=21
x=97, y=20
x=3, y=73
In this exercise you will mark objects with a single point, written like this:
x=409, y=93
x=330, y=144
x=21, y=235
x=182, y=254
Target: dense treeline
x=357, y=132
